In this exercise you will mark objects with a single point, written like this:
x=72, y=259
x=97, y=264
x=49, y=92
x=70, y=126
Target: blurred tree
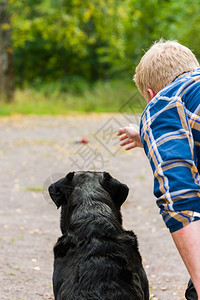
x=6, y=55
x=66, y=40
x=58, y=39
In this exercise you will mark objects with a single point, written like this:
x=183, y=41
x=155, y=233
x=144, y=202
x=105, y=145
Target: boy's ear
x=117, y=190
x=151, y=93
x=58, y=194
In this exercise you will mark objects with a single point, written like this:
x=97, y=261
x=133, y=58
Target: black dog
x=95, y=258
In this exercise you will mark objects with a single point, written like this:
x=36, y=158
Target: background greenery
x=80, y=55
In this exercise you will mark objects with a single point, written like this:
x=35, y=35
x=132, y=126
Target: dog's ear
x=117, y=190
x=58, y=195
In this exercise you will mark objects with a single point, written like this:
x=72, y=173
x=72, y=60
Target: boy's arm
x=187, y=241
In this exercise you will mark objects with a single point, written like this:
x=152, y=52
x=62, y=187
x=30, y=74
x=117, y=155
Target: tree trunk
x=6, y=55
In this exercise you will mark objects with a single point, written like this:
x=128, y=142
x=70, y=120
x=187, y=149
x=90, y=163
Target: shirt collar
x=183, y=74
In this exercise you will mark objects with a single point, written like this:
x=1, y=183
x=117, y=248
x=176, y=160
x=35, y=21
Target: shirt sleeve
x=168, y=143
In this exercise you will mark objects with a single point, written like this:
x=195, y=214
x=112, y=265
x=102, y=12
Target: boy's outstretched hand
x=129, y=135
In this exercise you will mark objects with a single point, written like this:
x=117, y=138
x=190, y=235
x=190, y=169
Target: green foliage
x=69, y=44
x=58, y=39
x=102, y=97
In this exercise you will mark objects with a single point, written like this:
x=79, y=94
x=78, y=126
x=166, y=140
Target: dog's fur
x=95, y=258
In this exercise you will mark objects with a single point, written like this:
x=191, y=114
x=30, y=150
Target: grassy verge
x=102, y=97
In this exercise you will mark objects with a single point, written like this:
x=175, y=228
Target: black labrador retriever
x=95, y=258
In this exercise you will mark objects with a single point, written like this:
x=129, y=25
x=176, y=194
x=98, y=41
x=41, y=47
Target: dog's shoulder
x=128, y=243
x=132, y=237
x=64, y=243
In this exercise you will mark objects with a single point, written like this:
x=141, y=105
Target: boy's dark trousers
x=190, y=293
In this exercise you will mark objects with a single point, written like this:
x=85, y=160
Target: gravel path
x=34, y=151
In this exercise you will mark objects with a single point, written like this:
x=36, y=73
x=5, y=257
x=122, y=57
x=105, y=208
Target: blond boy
x=168, y=76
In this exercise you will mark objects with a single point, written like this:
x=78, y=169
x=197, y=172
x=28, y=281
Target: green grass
x=34, y=188
x=101, y=97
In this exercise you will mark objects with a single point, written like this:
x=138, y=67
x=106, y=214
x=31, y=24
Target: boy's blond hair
x=161, y=64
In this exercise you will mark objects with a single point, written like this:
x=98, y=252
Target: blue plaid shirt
x=170, y=133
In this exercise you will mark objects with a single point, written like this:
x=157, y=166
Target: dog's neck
x=85, y=207
x=90, y=208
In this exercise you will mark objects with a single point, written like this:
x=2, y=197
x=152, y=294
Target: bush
x=51, y=98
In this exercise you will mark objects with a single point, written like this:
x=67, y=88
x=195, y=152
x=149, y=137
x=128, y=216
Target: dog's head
x=89, y=182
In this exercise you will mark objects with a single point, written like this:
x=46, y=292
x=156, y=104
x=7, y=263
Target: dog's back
x=95, y=258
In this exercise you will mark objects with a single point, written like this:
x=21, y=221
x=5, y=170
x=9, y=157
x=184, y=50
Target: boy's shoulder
x=184, y=88
x=180, y=84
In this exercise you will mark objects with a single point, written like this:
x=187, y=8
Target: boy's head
x=161, y=64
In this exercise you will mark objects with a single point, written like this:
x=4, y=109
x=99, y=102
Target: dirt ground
x=34, y=151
